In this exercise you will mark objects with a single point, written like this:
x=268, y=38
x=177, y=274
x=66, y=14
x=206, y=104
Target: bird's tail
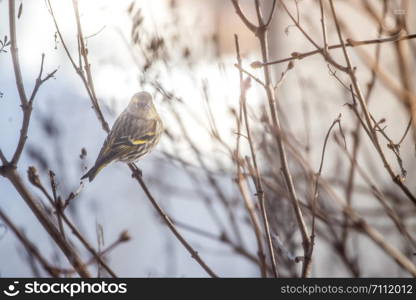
x=94, y=170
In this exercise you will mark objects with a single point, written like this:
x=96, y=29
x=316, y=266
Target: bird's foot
x=137, y=171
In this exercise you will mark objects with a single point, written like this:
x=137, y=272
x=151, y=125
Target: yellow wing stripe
x=139, y=142
x=144, y=140
x=150, y=133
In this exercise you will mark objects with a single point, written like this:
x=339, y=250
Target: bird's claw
x=137, y=172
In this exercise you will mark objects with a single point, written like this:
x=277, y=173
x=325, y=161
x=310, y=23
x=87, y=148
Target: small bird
x=135, y=132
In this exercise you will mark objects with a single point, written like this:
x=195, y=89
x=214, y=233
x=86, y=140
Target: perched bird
x=135, y=133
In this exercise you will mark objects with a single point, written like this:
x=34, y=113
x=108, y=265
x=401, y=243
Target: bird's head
x=141, y=104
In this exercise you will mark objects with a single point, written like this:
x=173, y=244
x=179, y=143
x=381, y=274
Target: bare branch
x=270, y=18
x=87, y=68
x=240, y=13
x=308, y=259
x=30, y=247
x=47, y=224
x=349, y=43
x=15, y=55
x=54, y=200
x=9, y=170
x=257, y=175
x=136, y=175
x=26, y=104
x=3, y=158
x=373, y=134
x=249, y=74
x=244, y=86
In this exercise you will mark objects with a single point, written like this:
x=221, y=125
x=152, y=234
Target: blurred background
x=183, y=53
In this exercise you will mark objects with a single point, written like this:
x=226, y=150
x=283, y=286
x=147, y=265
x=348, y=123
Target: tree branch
x=349, y=43
x=25, y=104
x=9, y=169
x=373, y=134
x=30, y=247
x=136, y=175
x=244, y=86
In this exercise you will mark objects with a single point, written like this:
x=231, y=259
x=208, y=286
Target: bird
x=136, y=131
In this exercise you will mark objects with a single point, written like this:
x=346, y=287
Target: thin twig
x=261, y=33
x=405, y=132
x=9, y=169
x=88, y=82
x=123, y=237
x=26, y=105
x=308, y=258
x=3, y=158
x=35, y=180
x=57, y=202
x=80, y=71
x=373, y=134
x=381, y=198
x=269, y=20
x=324, y=32
x=358, y=222
x=223, y=238
x=212, y=181
x=249, y=74
x=37, y=209
x=242, y=16
x=349, y=188
x=244, y=86
x=349, y=43
x=136, y=175
x=87, y=67
x=260, y=191
x=88, y=246
x=30, y=247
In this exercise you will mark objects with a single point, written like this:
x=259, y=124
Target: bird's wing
x=125, y=134
x=139, y=132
